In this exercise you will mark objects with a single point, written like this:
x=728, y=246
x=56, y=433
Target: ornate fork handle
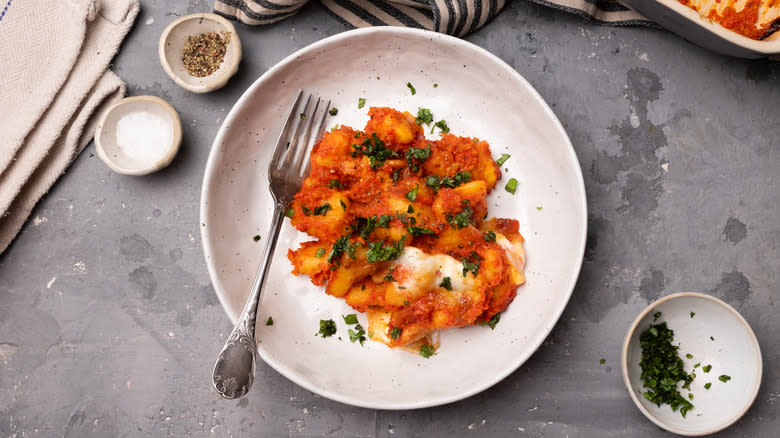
x=234, y=371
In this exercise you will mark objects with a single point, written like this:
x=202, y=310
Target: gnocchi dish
x=401, y=230
x=756, y=19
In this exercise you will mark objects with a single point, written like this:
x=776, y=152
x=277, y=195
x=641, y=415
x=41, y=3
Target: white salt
x=143, y=136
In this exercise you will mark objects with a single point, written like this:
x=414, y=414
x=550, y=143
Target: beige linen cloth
x=54, y=83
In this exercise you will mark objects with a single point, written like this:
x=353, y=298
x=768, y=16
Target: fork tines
x=307, y=119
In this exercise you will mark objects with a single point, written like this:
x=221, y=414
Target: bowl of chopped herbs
x=691, y=363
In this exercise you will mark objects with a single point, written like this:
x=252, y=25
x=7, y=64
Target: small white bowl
x=171, y=49
x=138, y=135
x=715, y=335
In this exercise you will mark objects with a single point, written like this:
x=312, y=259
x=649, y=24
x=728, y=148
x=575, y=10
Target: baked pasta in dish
x=756, y=19
x=401, y=229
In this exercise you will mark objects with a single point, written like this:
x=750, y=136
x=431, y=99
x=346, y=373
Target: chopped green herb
x=490, y=236
x=437, y=182
x=406, y=302
x=361, y=102
x=327, y=328
x=343, y=205
x=334, y=183
x=708, y=385
x=411, y=88
x=711, y=338
x=303, y=116
x=511, y=186
x=410, y=209
x=377, y=252
x=492, y=322
x=269, y=321
x=320, y=252
x=662, y=368
x=435, y=85
x=322, y=210
x=502, y=159
x=539, y=208
x=412, y=194
x=359, y=334
x=306, y=210
x=426, y=351
x=339, y=247
x=690, y=395
x=471, y=264
x=256, y=238
x=418, y=154
x=697, y=365
x=376, y=151
x=424, y=116
x=333, y=111
x=395, y=332
x=419, y=231
x=689, y=356
x=396, y=174
x=350, y=319
x=442, y=125
x=602, y=361
x=446, y=283
x=656, y=315
x=706, y=368
x=289, y=212
x=389, y=277
x=724, y=378
x=462, y=219
x=693, y=313
x=384, y=220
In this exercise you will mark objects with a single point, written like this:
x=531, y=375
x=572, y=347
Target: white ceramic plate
x=478, y=95
x=715, y=335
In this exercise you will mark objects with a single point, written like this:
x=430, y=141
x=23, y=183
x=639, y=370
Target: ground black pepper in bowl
x=204, y=53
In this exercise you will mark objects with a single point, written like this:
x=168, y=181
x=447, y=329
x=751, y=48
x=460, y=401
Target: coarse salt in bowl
x=138, y=135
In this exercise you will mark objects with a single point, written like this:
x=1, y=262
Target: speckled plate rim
x=577, y=216
x=627, y=381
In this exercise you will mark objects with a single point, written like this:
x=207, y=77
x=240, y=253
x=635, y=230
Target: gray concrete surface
x=679, y=150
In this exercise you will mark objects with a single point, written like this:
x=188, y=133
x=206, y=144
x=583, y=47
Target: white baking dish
x=687, y=23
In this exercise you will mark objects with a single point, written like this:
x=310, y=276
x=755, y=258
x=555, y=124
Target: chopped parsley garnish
x=322, y=210
x=446, y=283
x=327, y=328
x=490, y=236
x=511, y=186
x=435, y=85
x=656, y=315
x=340, y=246
x=492, y=322
x=359, y=334
x=424, y=116
x=384, y=220
x=410, y=209
x=350, y=319
x=343, y=205
x=411, y=88
x=396, y=174
x=378, y=252
x=693, y=313
x=389, y=277
x=366, y=226
x=412, y=194
x=419, y=154
x=306, y=211
x=395, y=333
x=426, y=351
x=689, y=356
x=502, y=159
x=269, y=321
x=334, y=183
x=289, y=212
x=419, y=231
x=707, y=385
x=256, y=238
x=706, y=368
x=303, y=116
x=333, y=111
x=437, y=182
x=442, y=125
x=320, y=252
x=602, y=361
x=724, y=378
x=662, y=368
x=471, y=264
x=361, y=102
x=376, y=151
x=462, y=219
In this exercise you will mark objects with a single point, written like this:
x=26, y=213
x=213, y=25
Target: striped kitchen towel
x=454, y=17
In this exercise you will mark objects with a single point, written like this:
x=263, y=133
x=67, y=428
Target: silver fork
x=234, y=371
